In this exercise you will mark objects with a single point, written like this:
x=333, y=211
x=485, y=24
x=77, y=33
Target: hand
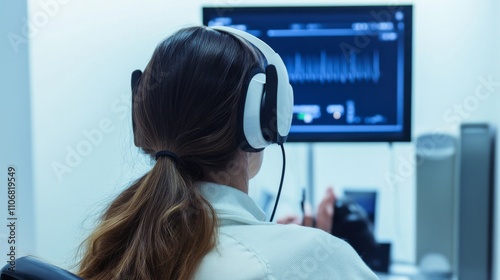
x=326, y=210
x=290, y=219
x=324, y=216
x=307, y=220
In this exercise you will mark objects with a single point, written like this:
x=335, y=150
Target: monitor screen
x=349, y=66
x=365, y=199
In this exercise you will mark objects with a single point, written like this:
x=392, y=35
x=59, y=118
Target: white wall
x=496, y=120
x=82, y=54
x=15, y=134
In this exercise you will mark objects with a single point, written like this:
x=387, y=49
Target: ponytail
x=161, y=227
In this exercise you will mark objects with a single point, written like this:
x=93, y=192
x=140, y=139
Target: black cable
x=281, y=182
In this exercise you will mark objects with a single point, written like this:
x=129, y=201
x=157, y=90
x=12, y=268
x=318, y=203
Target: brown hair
x=187, y=102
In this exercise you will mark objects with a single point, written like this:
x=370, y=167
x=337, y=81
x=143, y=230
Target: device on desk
x=350, y=66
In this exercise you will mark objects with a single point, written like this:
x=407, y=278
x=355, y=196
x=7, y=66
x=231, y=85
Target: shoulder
x=315, y=254
x=296, y=252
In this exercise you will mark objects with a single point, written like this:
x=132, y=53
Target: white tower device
x=436, y=189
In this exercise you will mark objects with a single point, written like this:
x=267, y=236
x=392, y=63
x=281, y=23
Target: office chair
x=31, y=268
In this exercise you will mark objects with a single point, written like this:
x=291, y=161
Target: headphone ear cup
x=250, y=136
x=284, y=100
x=269, y=110
x=285, y=113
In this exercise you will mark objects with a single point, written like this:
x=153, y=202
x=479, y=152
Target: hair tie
x=168, y=154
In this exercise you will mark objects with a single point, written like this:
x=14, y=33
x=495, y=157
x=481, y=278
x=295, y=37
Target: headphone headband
x=271, y=56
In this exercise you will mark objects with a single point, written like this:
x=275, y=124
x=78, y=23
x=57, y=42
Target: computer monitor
x=350, y=66
x=366, y=199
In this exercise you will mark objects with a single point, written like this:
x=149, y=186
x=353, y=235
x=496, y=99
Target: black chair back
x=31, y=268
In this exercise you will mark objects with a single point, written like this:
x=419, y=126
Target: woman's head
x=188, y=99
x=186, y=102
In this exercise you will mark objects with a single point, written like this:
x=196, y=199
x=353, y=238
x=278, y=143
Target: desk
x=410, y=272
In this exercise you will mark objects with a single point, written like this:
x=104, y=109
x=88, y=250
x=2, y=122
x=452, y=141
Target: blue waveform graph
x=337, y=68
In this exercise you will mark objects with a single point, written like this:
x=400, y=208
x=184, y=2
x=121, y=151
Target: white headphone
x=268, y=100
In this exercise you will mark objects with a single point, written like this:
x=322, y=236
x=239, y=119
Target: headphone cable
x=281, y=182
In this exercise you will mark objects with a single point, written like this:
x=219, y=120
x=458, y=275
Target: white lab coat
x=248, y=247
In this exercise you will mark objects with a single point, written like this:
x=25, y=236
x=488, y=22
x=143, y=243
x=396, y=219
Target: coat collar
x=231, y=204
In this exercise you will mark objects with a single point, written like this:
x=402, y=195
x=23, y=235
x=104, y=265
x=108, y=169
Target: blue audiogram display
x=333, y=68
x=349, y=66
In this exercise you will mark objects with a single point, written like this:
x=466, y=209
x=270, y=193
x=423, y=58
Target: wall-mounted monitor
x=350, y=66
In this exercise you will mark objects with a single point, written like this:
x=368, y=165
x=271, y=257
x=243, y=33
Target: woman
x=190, y=216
